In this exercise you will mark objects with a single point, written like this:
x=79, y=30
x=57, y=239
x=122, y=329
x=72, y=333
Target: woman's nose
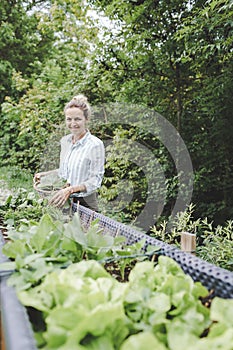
x=73, y=123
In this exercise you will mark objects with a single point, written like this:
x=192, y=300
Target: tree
x=208, y=37
x=23, y=45
x=34, y=102
x=176, y=57
x=141, y=57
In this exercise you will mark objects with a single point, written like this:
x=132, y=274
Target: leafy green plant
x=50, y=244
x=22, y=205
x=217, y=250
x=182, y=222
x=92, y=243
x=16, y=177
x=126, y=258
x=58, y=270
x=214, y=244
x=84, y=307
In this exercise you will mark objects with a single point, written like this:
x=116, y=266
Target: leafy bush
x=214, y=243
x=22, y=205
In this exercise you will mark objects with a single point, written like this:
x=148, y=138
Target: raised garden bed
x=211, y=276
x=17, y=329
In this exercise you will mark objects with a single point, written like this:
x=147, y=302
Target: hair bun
x=80, y=99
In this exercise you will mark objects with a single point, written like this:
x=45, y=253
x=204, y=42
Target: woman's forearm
x=76, y=188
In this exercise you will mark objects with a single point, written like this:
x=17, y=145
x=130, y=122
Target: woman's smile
x=76, y=122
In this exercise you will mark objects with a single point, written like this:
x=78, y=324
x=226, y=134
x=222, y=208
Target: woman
x=81, y=159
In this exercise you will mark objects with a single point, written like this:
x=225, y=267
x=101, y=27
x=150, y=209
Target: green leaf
x=30, y=258
x=216, y=339
x=14, y=249
x=37, y=298
x=199, y=290
x=159, y=303
x=46, y=225
x=7, y=266
x=68, y=244
x=179, y=333
x=103, y=342
x=90, y=268
x=142, y=341
x=222, y=311
x=74, y=230
x=18, y=280
x=95, y=237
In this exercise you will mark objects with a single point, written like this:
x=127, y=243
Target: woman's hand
x=38, y=176
x=60, y=197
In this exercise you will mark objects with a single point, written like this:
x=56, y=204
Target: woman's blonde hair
x=80, y=101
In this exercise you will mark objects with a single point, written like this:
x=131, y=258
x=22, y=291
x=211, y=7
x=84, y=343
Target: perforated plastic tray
x=211, y=276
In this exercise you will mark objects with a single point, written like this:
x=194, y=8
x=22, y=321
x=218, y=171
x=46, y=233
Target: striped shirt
x=82, y=163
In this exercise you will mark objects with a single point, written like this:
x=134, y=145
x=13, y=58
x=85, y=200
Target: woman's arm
x=38, y=176
x=96, y=171
x=59, y=199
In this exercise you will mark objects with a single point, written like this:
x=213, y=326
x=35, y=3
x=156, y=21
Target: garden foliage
x=172, y=57
x=58, y=275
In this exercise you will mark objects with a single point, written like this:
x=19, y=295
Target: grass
x=16, y=178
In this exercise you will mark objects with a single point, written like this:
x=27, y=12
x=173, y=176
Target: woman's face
x=75, y=121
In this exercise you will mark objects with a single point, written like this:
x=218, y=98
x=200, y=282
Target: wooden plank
x=188, y=242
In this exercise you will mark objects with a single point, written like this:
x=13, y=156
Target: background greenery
x=20, y=206
x=174, y=57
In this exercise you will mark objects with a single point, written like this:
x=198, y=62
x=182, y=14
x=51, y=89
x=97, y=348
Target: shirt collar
x=83, y=139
